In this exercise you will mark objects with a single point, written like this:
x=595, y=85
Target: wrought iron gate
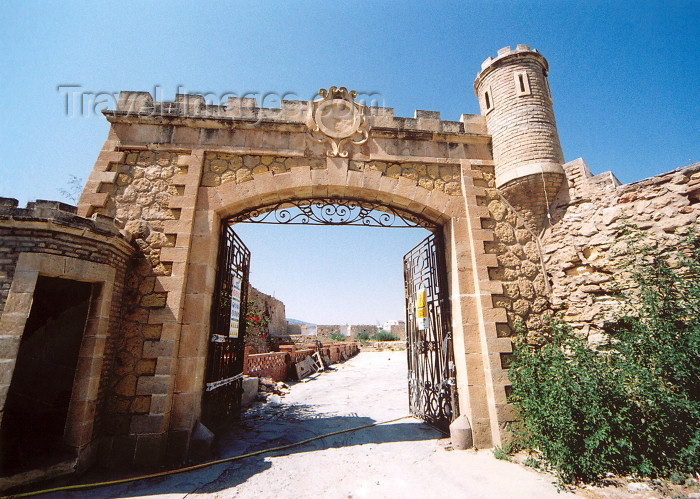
x=431, y=370
x=221, y=401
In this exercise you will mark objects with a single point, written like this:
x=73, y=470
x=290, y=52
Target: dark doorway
x=37, y=401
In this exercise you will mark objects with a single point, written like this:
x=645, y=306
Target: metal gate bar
x=431, y=370
x=221, y=400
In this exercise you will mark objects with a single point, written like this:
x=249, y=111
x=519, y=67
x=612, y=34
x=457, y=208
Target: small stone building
x=61, y=294
x=132, y=274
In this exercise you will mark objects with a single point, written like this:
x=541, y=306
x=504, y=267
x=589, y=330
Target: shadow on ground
x=264, y=427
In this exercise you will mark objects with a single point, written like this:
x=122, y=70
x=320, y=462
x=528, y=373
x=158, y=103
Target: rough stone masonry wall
x=370, y=329
x=273, y=308
x=520, y=268
x=139, y=200
x=399, y=330
x=273, y=320
x=324, y=331
x=220, y=168
x=583, y=249
x=147, y=191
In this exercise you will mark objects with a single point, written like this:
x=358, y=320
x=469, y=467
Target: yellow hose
x=198, y=466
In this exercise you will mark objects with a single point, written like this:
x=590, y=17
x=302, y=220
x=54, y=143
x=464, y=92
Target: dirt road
x=403, y=459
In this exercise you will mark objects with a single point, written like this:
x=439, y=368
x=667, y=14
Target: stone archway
x=431, y=371
x=442, y=210
x=170, y=178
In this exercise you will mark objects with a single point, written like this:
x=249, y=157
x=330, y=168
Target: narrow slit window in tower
x=487, y=100
x=522, y=84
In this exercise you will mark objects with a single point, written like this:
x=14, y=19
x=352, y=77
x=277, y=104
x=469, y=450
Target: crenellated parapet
x=136, y=104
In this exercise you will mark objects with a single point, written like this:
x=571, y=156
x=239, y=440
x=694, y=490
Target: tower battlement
x=520, y=49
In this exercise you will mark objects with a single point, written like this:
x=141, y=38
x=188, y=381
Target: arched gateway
x=171, y=173
x=431, y=368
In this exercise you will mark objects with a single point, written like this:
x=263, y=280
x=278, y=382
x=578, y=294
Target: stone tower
x=514, y=97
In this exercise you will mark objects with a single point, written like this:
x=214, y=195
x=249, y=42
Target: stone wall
x=584, y=250
x=273, y=308
x=139, y=199
x=324, y=331
x=520, y=267
x=148, y=191
x=301, y=329
x=298, y=340
x=265, y=318
x=399, y=330
x=370, y=329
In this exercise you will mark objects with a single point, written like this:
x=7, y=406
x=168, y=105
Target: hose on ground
x=84, y=486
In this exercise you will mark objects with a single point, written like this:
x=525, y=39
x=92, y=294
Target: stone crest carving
x=337, y=119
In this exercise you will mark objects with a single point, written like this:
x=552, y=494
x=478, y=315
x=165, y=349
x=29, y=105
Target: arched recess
x=215, y=204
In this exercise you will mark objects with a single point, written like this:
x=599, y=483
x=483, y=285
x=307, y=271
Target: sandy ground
x=403, y=459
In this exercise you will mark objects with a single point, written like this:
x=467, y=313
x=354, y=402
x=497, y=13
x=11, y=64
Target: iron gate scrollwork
x=431, y=369
x=332, y=211
x=224, y=373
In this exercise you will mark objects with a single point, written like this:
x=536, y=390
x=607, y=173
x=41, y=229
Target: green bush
x=362, y=336
x=385, y=336
x=632, y=405
x=335, y=336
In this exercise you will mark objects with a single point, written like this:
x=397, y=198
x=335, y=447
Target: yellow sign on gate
x=420, y=298
x=421, y=310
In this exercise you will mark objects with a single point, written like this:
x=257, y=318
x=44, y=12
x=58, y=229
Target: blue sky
x=623, y=75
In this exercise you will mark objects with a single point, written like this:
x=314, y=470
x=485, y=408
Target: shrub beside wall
x=631, y=405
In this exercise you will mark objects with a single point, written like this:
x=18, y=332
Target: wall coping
x=63, y=215
x=134, y=104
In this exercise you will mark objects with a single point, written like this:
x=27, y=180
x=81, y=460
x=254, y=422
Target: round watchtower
x=514, y=97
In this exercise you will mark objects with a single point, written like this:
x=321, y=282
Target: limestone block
x=611, y=214
x=147, y=385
